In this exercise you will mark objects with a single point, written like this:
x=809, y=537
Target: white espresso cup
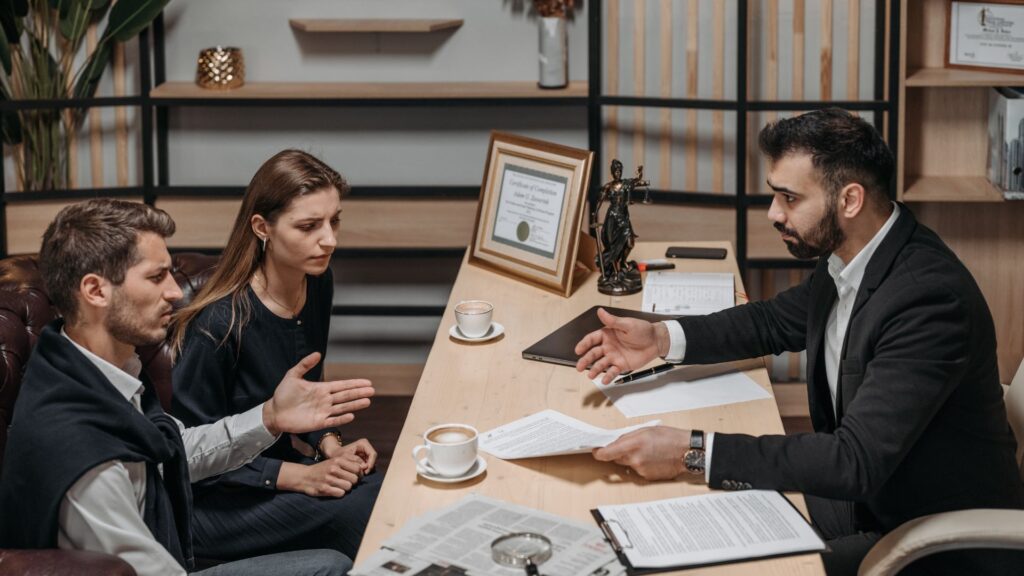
x=451, y=449
x=473, y=317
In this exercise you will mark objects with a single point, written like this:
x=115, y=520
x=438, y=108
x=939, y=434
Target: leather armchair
x=960, y=529
x=25, y=309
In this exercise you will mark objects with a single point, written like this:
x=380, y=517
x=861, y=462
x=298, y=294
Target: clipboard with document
x=705, y=530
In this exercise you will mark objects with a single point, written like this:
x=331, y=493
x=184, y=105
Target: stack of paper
x=688, y=293
x=549, y=433
x=457, y=539
x=707, y=529
x=685, y=388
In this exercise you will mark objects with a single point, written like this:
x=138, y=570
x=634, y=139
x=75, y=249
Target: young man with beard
x=92, y=461
x=901, y=361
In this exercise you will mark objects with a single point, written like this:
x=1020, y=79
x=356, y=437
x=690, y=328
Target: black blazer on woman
x=920, y=426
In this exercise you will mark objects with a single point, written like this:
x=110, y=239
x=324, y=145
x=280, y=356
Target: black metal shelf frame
x=155, y=162
x=885, y=107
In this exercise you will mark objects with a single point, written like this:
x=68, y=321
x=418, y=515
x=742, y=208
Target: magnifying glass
x=521, y=549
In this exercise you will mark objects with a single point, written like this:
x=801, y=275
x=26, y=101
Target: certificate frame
x=958, y=36
x=530, y=211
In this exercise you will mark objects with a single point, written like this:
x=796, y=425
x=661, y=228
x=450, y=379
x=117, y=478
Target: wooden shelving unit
x=943, y=145
x=369, y=90
x=942, y=168
x=951, y=189
x=954, y=77
x=388, y=25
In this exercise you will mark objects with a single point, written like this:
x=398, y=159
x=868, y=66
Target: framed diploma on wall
x=530, y=210
x=986, y=35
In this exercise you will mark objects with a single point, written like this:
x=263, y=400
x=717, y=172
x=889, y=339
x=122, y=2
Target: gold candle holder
x=220, y=68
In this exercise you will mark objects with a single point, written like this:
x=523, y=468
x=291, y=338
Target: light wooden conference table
x=489, y=384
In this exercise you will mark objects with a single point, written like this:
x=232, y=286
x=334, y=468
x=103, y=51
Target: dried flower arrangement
x=557, y=8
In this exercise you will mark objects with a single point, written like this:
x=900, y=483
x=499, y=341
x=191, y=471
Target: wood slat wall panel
x=365, y=223
x=29, y=221
x=657, y=223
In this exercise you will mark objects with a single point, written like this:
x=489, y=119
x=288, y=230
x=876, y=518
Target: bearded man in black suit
x=902, y=376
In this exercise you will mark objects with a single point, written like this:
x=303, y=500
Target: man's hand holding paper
x=656, y=453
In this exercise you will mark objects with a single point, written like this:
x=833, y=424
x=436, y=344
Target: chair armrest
x=920, y=537
x=54, y=562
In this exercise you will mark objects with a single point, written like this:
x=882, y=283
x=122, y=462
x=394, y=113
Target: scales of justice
x=615, y=235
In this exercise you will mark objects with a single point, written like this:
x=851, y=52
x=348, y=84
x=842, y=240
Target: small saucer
x=478, y=468
x=493, y=332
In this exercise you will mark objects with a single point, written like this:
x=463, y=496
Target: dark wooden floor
x=382, y=422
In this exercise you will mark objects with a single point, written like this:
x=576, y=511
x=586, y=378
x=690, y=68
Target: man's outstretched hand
x=299, y=405
x=624, y=344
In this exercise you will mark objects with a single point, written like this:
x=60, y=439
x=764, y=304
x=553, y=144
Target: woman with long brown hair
x=267, y=305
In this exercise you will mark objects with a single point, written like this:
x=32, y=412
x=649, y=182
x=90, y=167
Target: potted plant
x=554, y=42
x=39, y=42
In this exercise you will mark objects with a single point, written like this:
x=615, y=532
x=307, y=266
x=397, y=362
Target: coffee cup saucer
x=493, y=332
x=478, y=468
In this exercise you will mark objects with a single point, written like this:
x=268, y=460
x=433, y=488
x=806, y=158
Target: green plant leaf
x=62, y=6
x=129, y=17
x=5, y=52
x=9, y=20
x=89, y=78
x=10, y=124
x=74, y=21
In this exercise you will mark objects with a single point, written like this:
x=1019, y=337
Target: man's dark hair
x=94, y=237
x=843, y=148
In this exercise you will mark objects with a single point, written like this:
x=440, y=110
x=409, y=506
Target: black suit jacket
x=920, y=425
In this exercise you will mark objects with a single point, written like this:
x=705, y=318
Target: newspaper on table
x=456, y=540
x=549, y=433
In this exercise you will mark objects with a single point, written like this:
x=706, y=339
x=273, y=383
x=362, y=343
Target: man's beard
x=126, y=325
x=823, y=239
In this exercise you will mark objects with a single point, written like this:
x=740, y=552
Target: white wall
x=371, y=146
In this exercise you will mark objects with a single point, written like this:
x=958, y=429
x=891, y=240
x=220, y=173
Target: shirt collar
x=847, y=276
x=125, y=380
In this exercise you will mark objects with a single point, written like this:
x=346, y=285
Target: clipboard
x=618, y=538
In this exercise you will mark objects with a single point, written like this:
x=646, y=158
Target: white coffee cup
x=451, y=449
x=474, y=317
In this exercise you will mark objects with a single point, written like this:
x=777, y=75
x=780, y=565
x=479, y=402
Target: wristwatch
x=693, y=460
x=320, y=445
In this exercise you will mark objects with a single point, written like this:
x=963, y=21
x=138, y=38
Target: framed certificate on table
x=530, y=211
x=986, y=35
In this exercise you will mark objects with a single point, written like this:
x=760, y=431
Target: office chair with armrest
x=25, y=309
x=960, y=529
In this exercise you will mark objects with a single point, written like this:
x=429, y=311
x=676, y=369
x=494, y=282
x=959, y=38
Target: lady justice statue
x=615, y=236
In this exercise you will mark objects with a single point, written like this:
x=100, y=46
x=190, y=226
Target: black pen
x=644, y=373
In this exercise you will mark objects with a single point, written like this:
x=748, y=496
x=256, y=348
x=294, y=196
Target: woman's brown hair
x=284, y=177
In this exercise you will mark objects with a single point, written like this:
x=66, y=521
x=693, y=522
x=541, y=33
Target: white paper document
x=688, y=293
x=685, y=388
x=708, y=529
x=456, y=540
x=549, y=433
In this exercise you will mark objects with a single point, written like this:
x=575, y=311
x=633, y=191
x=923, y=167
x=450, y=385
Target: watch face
x=694, y=461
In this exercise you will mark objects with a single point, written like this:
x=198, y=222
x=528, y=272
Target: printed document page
x=708, y=529
x=456, y=539
x=685, y=388
x=549, y=433
x=688, y=293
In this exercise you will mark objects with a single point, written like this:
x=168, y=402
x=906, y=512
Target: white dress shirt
x=102, y=511
x=847, y=278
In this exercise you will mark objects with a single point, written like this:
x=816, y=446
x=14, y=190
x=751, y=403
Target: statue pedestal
x=629, y=283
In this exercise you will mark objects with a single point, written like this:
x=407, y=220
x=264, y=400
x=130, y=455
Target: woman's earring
x=264, y=240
